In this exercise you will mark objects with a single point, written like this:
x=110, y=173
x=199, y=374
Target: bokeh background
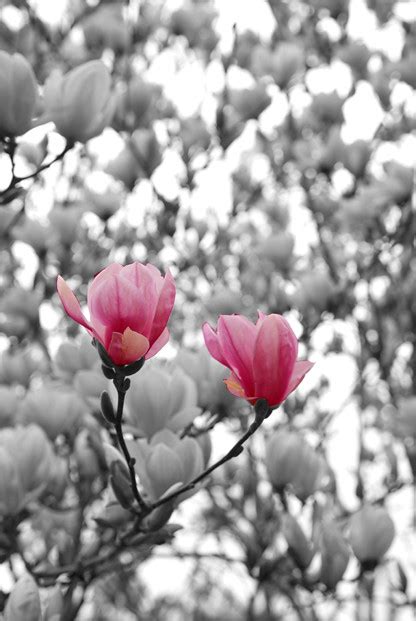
x=264, y=151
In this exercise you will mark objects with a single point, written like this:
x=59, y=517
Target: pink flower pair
x=130, y=307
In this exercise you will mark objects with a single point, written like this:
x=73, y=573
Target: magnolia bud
x=107, y=408
x=299, y=547
x=371, y=534
x=279, y=249
x=121, y=484
x=146, y=149
x=80, y=103
x=24, y=602
x=159, y=517
x=335, y=554
x=18, y=94
x=250, y=102
x=290, y=460
x=85, y=457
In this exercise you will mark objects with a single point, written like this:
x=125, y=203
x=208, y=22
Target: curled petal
x=300, y=369
x=158, y=344
x=164, y=306
x=234, y=386
x=212, y=343
x=127, y=347
x=70, y=303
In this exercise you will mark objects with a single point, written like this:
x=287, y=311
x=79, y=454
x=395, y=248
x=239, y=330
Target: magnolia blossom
x=80, y=103
x=18, y=94
x=129, y=308
x=262, y=358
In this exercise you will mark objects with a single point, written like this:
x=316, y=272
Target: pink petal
x=164, y=306
x=118, y=304
x=212, y=343
x=300, y=369
x=234, y=387
x=70, y=303
x=237, y=336
x=127, y=347
x=275, y=355
x=106, y=273
x=158, y=344
x=139, y=276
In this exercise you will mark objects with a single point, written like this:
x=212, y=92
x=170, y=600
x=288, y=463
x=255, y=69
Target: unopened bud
x=299, y=547
x=121, y=484
x=107, y=408
x=335, y=554
x=159, y=517
x=371, y=534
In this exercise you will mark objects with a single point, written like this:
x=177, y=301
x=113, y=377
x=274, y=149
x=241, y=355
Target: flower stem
x=262, y=413
x=122, y=386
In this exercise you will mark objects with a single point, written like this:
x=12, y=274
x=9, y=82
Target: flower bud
x=74, y=356
x=124, y=167
x=290, y=460
x=299, y=547
x=279, y=249
x=159, y=517
x=194, y=22
x=106, y=28
x=150, y=409
x=326, y=108
x=121, y=484
x=371, y=534
x=54, y=408
x=33, y=233
x=146, y=149
x=195, y=135
x=17, y=366
x=104, y=204
x=65, y=224
x=18, y=94
x=335, y=554
x=19, y=302
x=85, y=457
x=208, y=375
x=249, y=103
x=113, y=515
x=166, y=463
x=286, y=63
x=24, y=602
x=34, y=463
x=80, y=103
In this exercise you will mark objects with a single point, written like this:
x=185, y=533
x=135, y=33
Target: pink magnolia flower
x=261, y=357
x=129, y=308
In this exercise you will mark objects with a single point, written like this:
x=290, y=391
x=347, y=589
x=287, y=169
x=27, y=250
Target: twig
x=122, y=384
x=262, y=412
